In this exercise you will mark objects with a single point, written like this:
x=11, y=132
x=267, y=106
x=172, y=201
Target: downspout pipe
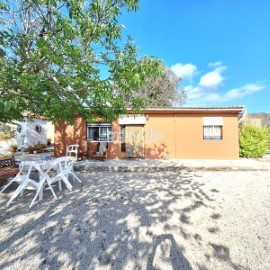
x=244, y=114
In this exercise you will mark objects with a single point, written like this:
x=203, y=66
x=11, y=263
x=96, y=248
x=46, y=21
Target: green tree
x=53, y=54
x=161, y=91
x=253, y=141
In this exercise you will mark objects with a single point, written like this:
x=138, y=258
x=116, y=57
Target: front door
x=134, y=141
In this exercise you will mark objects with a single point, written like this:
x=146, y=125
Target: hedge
x=253, y=141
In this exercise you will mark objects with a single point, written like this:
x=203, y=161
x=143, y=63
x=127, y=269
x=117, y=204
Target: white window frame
x=106, y=136
x=212, y=132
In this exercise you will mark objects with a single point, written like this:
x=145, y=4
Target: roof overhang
x=229, y=109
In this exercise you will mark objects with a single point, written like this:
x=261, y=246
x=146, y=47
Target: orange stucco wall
x=65, y=134
x=76, y=134
x=181, y=136
x=177, y=135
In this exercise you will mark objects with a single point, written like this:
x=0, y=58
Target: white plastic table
x=25, y=180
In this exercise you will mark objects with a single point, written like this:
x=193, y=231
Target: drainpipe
x=244, y=114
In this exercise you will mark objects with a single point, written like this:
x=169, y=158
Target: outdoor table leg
x=45, y=179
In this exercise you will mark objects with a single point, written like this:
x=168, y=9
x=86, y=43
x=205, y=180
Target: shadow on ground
x=116, y=221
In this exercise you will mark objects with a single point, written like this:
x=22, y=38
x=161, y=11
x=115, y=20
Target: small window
x=19, y=128
x=38, y=128
x=99, y=132
x=212, y=132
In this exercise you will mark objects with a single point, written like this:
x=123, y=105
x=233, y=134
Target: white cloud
x=184, y=71
x=207, y=90
x=193, y=92
x=245, y=90
x=215, y=64
x=213, y=97
x=198, y=94
x=213, y=79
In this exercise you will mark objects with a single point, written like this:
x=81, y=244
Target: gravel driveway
x=186, y=220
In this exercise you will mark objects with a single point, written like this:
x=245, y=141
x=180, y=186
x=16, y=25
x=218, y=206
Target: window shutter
x=213, y=121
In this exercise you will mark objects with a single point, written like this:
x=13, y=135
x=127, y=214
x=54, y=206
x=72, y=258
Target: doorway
x=132, y=143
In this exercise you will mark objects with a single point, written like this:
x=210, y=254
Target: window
x=38, y=128
x=19, y=128
x=212, y=132
x=212, y=127
x=99, y=132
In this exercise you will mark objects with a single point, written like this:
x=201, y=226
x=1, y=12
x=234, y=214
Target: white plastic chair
x=64, y=167
x=24, y=180
x=72, y=149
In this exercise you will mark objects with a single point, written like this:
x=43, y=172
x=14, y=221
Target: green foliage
x=13, y=148
x=160, y=91
x=7, y=111
x=253, y=141
x=268, y=135
x=163, y=91
x=5, y=106
x=53, y=55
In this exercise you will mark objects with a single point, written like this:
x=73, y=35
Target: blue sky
x=220, y=48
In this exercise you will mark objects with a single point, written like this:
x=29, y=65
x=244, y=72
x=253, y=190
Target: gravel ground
x=162, y=220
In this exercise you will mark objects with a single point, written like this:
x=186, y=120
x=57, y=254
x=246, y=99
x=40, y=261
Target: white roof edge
x=216, y=108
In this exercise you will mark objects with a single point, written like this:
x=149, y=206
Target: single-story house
x=160, y=133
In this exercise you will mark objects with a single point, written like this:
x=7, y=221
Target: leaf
x=56, y=68
x=2, y=105
x=7, y=107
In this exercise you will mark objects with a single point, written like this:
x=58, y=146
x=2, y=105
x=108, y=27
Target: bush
x=268, y=131
x=253, y=141
x=13, y=147
x=31, y=149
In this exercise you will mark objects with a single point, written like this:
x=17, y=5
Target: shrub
x=43, y=145
x=253, y=141
x=38, y=146
x=30, y=149
x=13, y=147
x=268, y=131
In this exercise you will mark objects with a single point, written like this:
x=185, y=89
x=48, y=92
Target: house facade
x=33, y=131
x=160, y=133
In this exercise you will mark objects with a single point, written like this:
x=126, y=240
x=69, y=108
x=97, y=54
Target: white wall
x=5, y=144
x=28, y=135
x=50, y=131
